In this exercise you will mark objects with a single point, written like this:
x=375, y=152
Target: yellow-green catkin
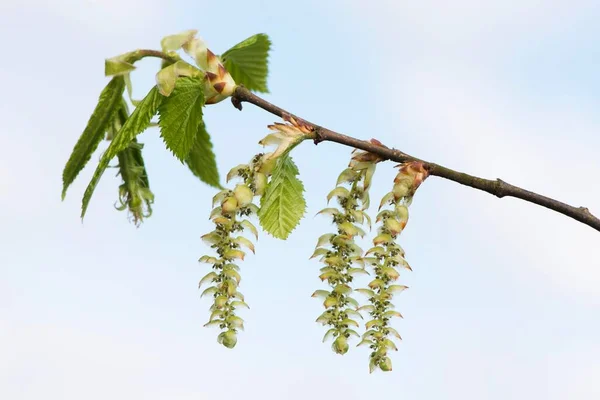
x=232, y=207
x=386, y=259
x=341, y=255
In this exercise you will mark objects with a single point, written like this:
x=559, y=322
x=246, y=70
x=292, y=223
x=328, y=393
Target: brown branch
x=496, y=187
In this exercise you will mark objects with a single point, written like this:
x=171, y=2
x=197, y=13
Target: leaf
x=180, y=116
x=174, y=42
x=283, y=204
x=108, y=105
x=247, y=62
x=201, y=160
x=137, y=122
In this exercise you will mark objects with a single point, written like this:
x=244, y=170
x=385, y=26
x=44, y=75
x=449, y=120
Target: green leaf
x=135, y=124
x=247, y=62
x=134, y=194
x=201, y=159
x=283, y=204
x=181, y=116
x=108, y=104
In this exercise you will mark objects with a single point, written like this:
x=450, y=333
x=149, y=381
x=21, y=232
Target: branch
x=496, y=187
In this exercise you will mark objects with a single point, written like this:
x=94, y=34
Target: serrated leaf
x=247, y=62
x=137, y=122
x=283, y=205
x=201, y=160
x=180, y=116
x=109, y=103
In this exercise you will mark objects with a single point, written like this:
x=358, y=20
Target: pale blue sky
x=504, y=299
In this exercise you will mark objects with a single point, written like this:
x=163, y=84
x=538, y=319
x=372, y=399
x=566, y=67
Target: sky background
x=503, y=300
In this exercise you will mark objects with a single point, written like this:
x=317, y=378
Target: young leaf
x=108, y=104
x=283, y=204
x=180, y=116
x=247, y=62
x=135, y=124
x=201, y=159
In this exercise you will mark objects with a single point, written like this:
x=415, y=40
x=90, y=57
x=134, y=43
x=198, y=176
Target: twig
x=496, y=187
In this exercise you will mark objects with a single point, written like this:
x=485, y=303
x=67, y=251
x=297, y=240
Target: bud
x=220, y=301
x=260, y=183
x=196, y=48
x=229, y=205
x=385, y=364
x=340, y=345
x=286, y=136
x=400, y=190
x=393, y=226
x=176, y=41
x=243, y=195
x=219, y=83
x=228, y=339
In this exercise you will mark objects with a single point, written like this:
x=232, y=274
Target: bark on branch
x=496, y=187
